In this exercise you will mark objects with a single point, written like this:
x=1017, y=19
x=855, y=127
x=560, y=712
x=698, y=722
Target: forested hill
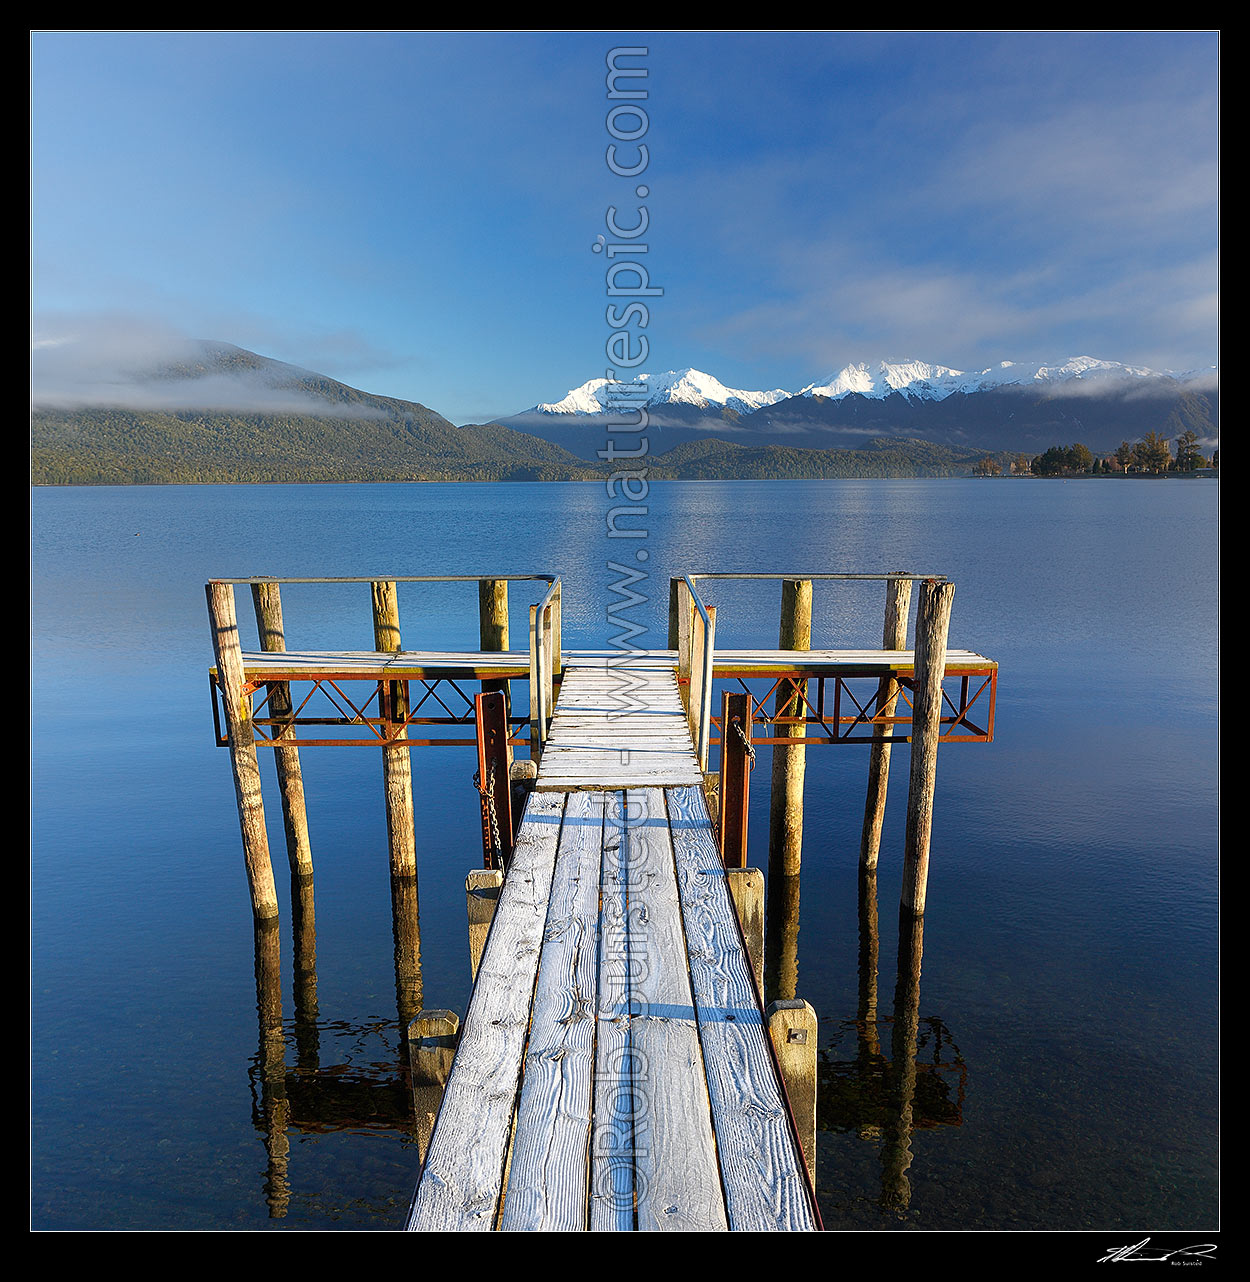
x=128, y=447
x=318, y=429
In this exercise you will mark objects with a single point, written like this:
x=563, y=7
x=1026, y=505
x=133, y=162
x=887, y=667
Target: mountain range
x=214, y=412
x=1013, y=406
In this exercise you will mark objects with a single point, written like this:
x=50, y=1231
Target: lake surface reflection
x=1052, y=1065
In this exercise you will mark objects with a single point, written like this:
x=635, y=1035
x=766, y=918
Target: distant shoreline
x=1207, y=475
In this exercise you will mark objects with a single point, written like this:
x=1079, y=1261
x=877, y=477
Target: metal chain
x=746, y=743
x=488, y=800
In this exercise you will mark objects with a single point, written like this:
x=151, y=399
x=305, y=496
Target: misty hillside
x=318, y=430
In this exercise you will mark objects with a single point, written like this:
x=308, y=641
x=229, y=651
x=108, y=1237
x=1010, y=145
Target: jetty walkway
x=616, y=1068
x=615, y=1008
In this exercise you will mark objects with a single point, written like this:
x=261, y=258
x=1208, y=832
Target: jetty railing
x=393, y=676
x=389, y=714
x=545, y=642
x=696, y=647
x=837, y=713
x=820, y=699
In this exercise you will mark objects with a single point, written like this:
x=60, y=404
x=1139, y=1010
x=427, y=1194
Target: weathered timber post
x=274, y=1106
x=869, y=958
x=523, y=775
x=406, y=928
x=746, y=889
x=268, y=606
x=785, y=815
x=396, y=765
x=432, y=1038
x=792, y=1028
x=933, y=617
x=304, y=922
x=737, y=758
x=781, y=963
x=896, y=1152
x=481, y=888
x=867, y=1038
x=894, y=637
x=492, y=609
x=673, y=608
x=228, y=655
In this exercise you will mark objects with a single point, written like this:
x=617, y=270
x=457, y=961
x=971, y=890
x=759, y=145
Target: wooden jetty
x=616, y=1068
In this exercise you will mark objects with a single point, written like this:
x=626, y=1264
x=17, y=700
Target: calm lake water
x=1067, y=1012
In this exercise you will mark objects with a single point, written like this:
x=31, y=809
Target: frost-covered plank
x=461, y=1183
x=833, y=662
x=549, y=1169
x=678, y=1186
x=612, y=1139
x=761, y=1164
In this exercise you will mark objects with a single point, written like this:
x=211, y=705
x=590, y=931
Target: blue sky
x=414, y=213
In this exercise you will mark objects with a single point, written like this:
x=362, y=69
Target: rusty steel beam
x=493, y=782
x=737, y=758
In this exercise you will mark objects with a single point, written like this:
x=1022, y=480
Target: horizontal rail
x=851, y=578
x=400, y=578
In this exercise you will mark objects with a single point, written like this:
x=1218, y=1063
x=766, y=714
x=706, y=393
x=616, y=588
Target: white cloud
x=118, y=360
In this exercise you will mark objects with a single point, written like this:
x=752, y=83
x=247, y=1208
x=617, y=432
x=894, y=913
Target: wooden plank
x=608, y=758
x=595, y=742
x=623, y=754
x=761, y=1164
x=602, y=766
x=585, y=715
x=612, y=1139
x=606, y=736
x=464, y=1170
x=549, y=1171
x=678, y=1186
x=296, y=664
x=654, y=704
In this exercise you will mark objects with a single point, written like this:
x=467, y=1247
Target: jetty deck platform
x=332, y=672
x=614, y=1070
x=485, y=665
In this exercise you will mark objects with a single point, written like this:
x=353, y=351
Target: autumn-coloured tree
x=1152, y=453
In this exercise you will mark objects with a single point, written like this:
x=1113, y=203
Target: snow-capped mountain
x=1014, y=405
x=675, y=387
x=910, y=378
x=936, y=382
x=913, y=379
